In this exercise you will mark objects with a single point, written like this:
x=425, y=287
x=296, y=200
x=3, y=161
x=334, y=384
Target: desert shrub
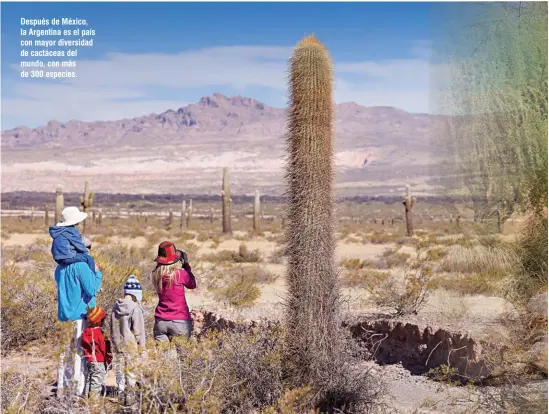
x=21, y=393
x=38, y=253
x=157, y=237
x=391, y=258
x=245, y=256
x=218, y=257
x=355, y=264
x=381, y=238
x=240, y=289
x=28, y=309
x=403, y=297
x=479, y=259
x=530, y=275
x=221, y=372
x=364, y=277
x=242, y=256
x=115, y=274
x=471, y=283
x=436, y=253
x=277, y=256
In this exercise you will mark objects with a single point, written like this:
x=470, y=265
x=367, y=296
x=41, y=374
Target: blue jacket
x=67, y=241
x=77, y=286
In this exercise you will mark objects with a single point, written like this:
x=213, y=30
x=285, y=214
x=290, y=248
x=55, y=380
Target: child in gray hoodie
x=127, y=334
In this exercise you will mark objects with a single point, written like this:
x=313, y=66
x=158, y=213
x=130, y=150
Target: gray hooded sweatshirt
x=127, y=324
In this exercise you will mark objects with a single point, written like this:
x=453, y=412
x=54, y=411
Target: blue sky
x=149, y=57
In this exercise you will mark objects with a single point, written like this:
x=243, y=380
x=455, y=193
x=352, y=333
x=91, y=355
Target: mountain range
x=372, y=143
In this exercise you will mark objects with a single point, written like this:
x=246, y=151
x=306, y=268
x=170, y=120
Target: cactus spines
x=409, y=202
x=312, y=305
x=59, y=203
x=226, y=202
x=46, y=217
x=189, y=213
x=86, y=201
x=257, y=212
x=183, y=212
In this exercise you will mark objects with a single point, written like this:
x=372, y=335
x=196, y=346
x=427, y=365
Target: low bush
x=240, y=289
x=242, y=256
x=485, y=283
x=364, y=278
x=391, y=258
x=29, y=311
x=355, y=264
x=402, y=297
x=21, y=394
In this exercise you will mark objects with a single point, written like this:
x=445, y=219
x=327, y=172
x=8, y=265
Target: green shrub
x=29, y=311
x=240, y=291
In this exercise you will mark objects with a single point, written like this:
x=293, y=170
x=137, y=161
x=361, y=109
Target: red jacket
x=172, y=305
x=95, y=347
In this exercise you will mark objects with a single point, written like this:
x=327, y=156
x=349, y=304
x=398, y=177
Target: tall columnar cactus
x=189, y=213
x=313, y=319
x=257, y=212
x=86, y=201
x=226, y=203
x=59, y=203
x=46, y=216
x=183, y=213
x=169, y=220
x=409, y=202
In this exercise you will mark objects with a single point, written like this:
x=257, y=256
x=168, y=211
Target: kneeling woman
x=171, y=276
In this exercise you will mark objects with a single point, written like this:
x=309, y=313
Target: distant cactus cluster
x=86, y=201
x=257, y=212
x=409, y=202
x=59, y=203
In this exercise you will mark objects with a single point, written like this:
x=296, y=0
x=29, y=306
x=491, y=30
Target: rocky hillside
x=219, y=117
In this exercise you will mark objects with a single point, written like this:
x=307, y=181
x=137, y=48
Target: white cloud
x=127, y=85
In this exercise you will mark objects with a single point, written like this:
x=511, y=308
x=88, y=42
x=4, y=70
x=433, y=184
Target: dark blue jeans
x=80, y=257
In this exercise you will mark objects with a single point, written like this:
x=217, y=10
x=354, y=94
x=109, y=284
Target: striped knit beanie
x=133, y=287
x=96, y=315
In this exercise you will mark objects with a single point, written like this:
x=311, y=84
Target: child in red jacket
x=96, y=351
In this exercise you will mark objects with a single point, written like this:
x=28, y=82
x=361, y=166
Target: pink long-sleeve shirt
x=172, y=305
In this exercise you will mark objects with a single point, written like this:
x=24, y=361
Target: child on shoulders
x=68, y=246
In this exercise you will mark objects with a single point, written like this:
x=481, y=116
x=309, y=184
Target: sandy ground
x=406, y=393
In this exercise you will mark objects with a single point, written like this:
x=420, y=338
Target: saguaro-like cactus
x=169, y=220
x=257, y=212
x=226, y=203
x=183, y=212
x=312, y=321
x=190, y=213
x=59, y=203
x=409, y=202
x=86, y=201
x=46, y=217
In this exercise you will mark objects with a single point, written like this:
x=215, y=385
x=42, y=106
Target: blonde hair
x=164, y=270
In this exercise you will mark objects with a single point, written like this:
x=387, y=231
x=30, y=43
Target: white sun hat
x=71, y=216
